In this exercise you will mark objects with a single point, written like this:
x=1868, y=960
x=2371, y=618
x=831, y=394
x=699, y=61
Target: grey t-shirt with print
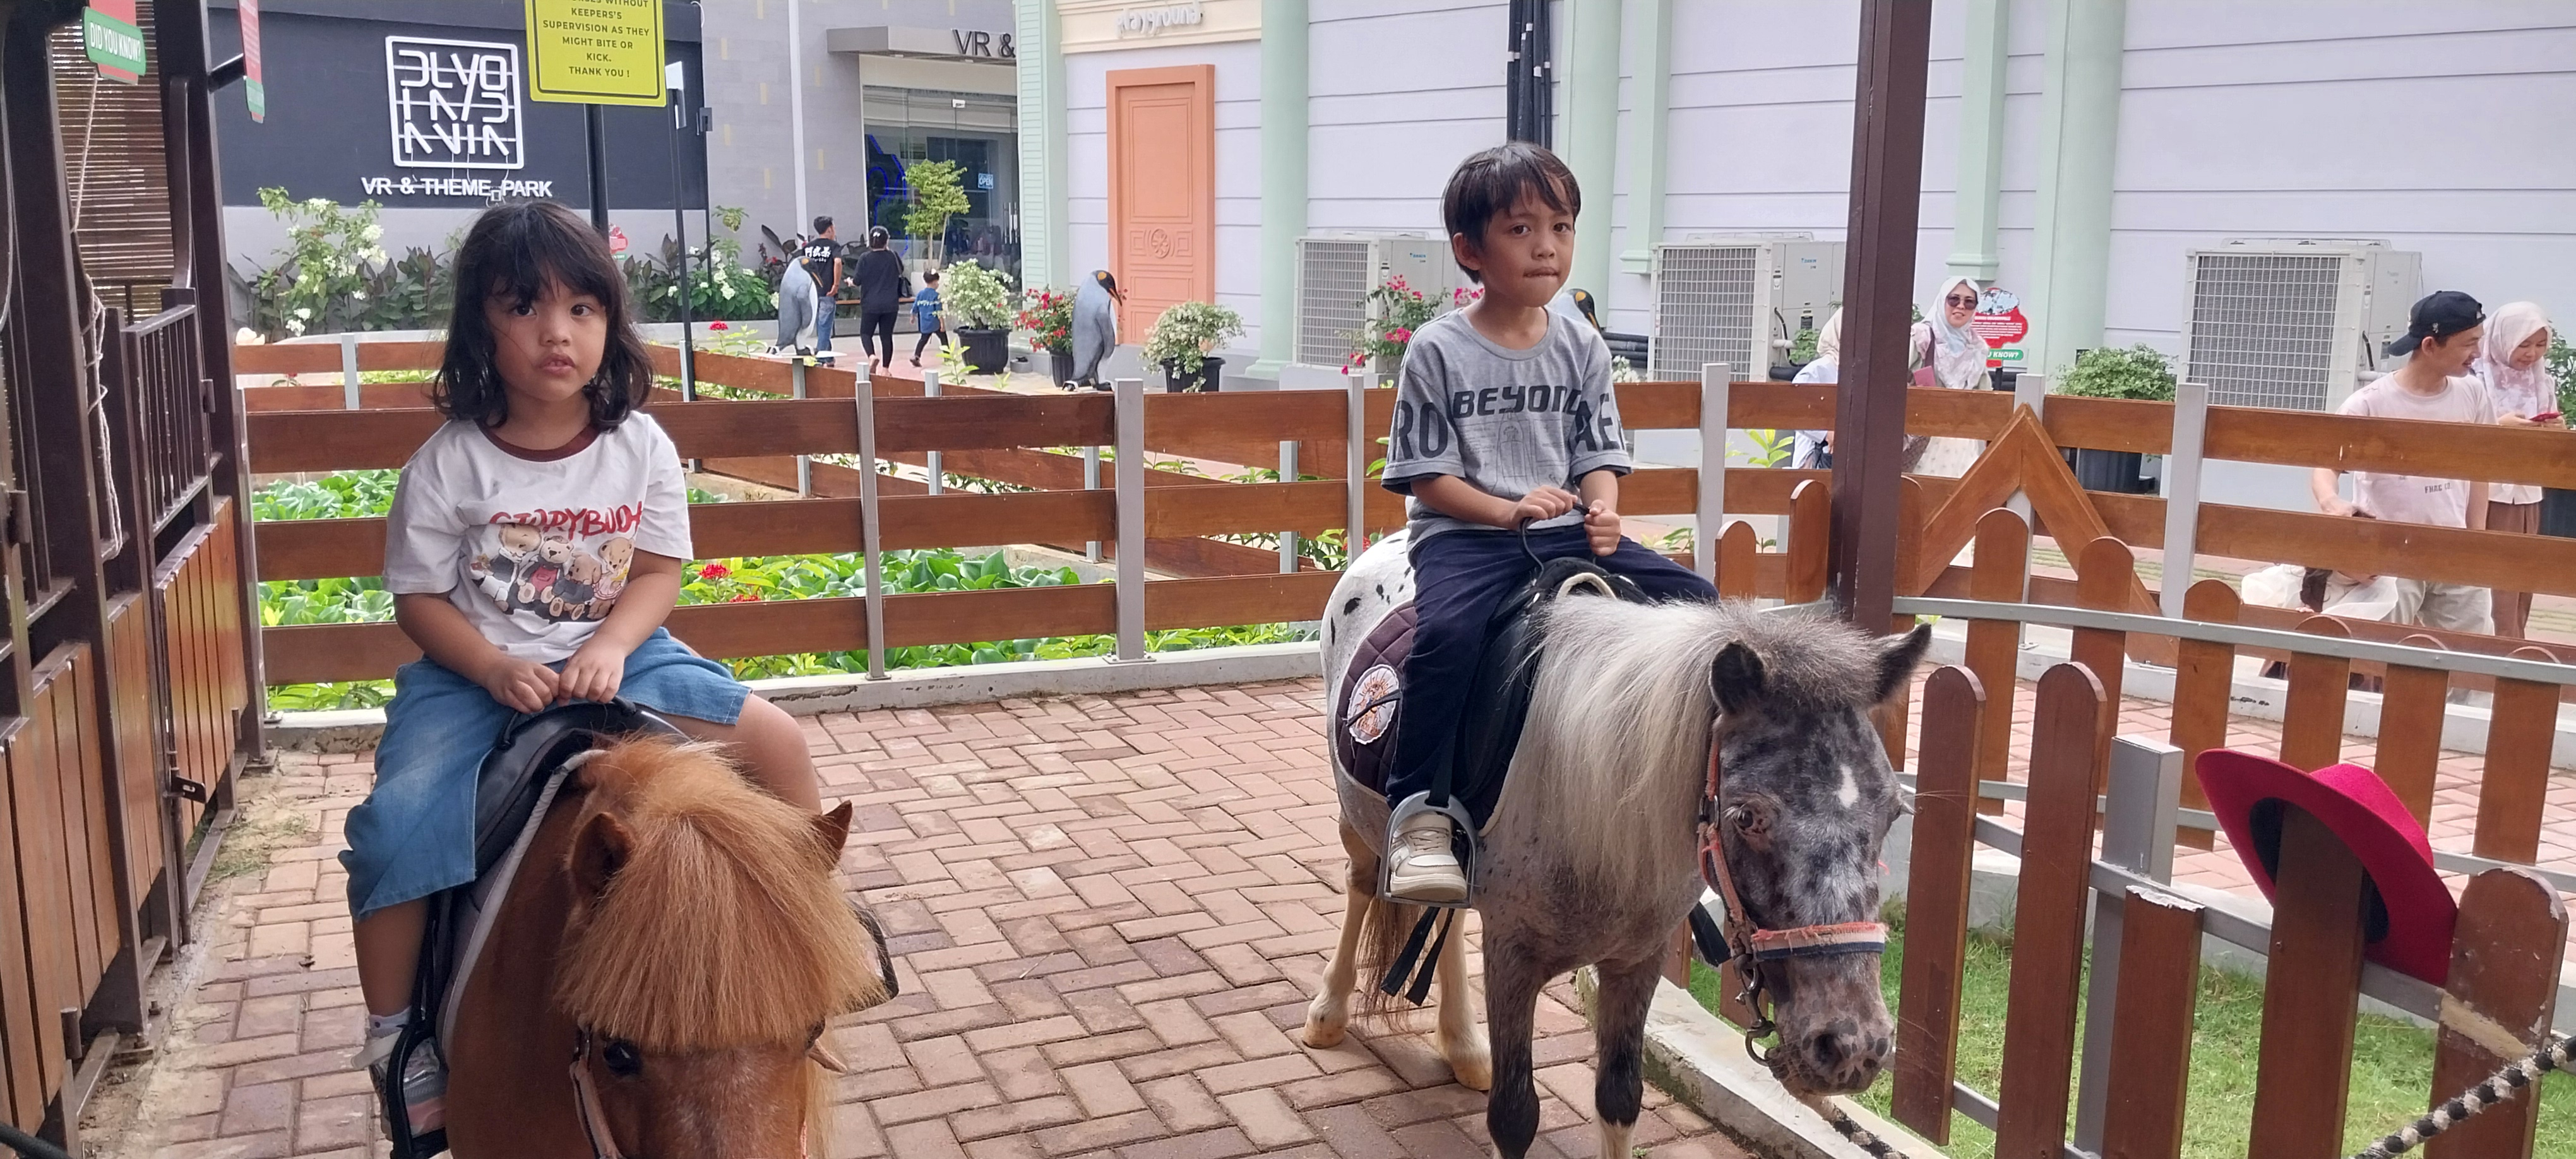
x=1506, y=421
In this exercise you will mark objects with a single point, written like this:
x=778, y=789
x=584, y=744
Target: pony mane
x=1619, y=726
x=721, y=928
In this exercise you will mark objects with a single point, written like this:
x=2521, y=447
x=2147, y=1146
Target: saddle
x=1490, y=730
x=512, y=792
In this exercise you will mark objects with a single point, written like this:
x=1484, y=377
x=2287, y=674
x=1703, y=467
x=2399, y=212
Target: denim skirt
x=414, y=835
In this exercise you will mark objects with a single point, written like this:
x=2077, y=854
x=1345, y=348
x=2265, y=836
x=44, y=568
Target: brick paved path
x=1110, y=914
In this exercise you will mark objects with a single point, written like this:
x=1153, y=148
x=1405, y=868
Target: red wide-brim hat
x=2407, y=912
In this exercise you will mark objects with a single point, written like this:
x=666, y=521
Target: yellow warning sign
x=595, y=52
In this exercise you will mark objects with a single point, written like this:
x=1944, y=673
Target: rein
x=1748, y=943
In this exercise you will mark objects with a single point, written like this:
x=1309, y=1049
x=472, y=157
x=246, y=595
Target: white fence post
x=1091, y=482
x=1130, y=464
x=1287, y=536
x=1355, y=463
x=2138, y=819
x=1707, y=520
x=869, y=523
x=930, y=389
x=2182, y=493
x=796, y=369
x=349, y=372
x=2031, y=390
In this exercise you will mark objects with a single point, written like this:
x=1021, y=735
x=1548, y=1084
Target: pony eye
x=622, y=1058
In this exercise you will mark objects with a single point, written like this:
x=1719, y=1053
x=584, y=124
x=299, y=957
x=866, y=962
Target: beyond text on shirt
x=2417, y=498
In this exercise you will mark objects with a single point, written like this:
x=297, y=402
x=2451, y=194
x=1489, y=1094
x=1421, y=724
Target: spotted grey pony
x=1591, y=854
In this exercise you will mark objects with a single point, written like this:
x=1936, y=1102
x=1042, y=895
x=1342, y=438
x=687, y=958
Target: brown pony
x=692, y=928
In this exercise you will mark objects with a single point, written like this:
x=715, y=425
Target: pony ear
x=1897, y=658
x=831, y=832
x=598, y=852
x=1736, y=678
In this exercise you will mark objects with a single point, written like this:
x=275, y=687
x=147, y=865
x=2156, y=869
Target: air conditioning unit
x=2293, y=323
x=1738, y=300
x=1336, y=272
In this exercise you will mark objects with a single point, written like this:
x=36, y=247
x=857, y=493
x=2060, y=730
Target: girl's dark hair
x=510, y=254
x=1493, y=181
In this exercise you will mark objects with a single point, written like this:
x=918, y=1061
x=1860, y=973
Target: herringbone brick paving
x=1110, y=915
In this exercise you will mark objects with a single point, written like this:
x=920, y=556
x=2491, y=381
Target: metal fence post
x=1130, y=433
x=1091, y=482
x=1355, y=443
x=930, y=389
x=1710, y=516
x=349, y=372
x=2182, y=493
x=2030, y=390
x=796, y=386
x=1287, y=536
x=2137, y=835
x=869, y=523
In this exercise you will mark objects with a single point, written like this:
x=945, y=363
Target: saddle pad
x=1372, y=694
x=471, y=909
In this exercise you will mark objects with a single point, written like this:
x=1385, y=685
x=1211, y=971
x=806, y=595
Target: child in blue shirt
x=925, y=315
x=1504, y=418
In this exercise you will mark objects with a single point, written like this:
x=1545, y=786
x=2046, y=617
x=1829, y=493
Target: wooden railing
x=2136, y=1043
x=157, y=362
x=1014, y=438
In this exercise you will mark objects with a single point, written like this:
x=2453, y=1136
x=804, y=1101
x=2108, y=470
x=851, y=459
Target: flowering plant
x=1395, y=311
x=1048, y=317
x=1186, y=331
x=977, y=297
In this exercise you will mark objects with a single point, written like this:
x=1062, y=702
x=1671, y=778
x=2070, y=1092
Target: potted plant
x=980, y=300
x=2140, y=372
x=1180, y=340
x=938, y=193
x=1048, y=317
x=2558, y=504
x=1395, y=310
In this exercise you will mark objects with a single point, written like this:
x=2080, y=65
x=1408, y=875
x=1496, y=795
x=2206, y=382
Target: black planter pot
x=1205, y=381
x=987, y=351
x=2113, y=471
x=2558, y=512
x=1063, y=363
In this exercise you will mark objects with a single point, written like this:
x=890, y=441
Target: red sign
x=252, y=86
x=2000, y=323
x=616, y=239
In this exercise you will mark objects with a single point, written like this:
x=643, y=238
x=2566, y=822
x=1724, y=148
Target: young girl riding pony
x=534, y=547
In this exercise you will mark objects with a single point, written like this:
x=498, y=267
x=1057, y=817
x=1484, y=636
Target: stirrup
x=1463, y=845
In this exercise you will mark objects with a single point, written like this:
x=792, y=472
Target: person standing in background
x=1947, y=354
x=821, y=258
x=925, y=315
x=2434, y=385
x=880, y=281
x=1815, y=449
x=2509, y=363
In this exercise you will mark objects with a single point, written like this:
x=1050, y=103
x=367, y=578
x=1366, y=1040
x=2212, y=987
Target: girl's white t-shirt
x=534, y=548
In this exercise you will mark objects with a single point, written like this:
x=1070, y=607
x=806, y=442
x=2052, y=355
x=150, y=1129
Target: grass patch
x=2392, y=1060
x=251, y=839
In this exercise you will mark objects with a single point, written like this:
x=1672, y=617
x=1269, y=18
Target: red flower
x=714, y=571
x=718, y=325
x=1399, y=334
x=744, y=598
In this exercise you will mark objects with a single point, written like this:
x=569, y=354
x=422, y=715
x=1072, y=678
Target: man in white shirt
x=2434, y=385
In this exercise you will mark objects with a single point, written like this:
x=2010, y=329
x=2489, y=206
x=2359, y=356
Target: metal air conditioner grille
x=2263, y=328
x=1704, y=311
x=1332, y=298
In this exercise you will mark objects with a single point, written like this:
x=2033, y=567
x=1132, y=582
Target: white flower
x=727, y=289
x=247, y=337
x=320, y=204
x=374, y=253
x=374, y=233
x=360, y=295
x=294, y=327
x=304, y=312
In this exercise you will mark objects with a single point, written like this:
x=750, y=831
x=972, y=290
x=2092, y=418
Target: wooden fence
x=2127, y=1096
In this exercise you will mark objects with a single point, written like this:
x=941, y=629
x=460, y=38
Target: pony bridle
x=594, y=1115
x=1749, y=944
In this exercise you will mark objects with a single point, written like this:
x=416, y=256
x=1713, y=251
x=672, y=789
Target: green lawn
x=2392, y=1064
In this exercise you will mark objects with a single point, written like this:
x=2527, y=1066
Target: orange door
x=1162, y=190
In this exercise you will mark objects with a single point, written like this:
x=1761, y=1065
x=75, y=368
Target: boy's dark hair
x=511, y=252
x=822, y=224
x=1493, y=181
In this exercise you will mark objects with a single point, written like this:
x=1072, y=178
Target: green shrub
x=1182, y=337
x=2139, y=372
x=980, y=299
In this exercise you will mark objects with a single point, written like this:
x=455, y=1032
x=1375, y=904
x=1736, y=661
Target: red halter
x=1750, y=943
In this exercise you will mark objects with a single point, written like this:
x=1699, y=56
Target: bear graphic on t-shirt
x=571, y=597
x=537, y=583
x=496, y=575
x=616, y=556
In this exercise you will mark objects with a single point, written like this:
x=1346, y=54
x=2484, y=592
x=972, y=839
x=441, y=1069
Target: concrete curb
x=359, y=729
x=1699, y=1060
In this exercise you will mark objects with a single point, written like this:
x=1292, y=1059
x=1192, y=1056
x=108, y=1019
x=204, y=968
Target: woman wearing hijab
x=1095, y=327
x=880, y=279
x=2509, y=362
x=1948, y=355
x=1815, y=449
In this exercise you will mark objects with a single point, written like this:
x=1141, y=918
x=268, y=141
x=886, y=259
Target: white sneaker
x=1420, y=867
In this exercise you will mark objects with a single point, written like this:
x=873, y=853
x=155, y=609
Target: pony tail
x=1384, y=928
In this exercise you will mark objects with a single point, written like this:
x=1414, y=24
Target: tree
x=938, y=193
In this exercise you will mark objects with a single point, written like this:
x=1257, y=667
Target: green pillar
x=1981, y=140
x=1283, y=178
x=1588, y=131
x=2079, y=124
x=1045, y=246
x=1652, y=43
